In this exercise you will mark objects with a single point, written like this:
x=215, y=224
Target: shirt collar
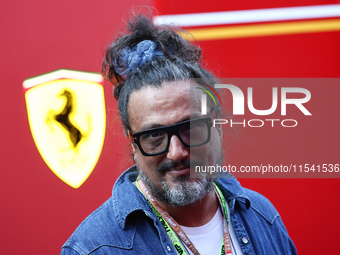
x=127, y=198
x=233, y=191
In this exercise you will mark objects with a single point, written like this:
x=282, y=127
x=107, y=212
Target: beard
x=182, y=191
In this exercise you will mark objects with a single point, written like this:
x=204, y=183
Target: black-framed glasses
x=156, y=141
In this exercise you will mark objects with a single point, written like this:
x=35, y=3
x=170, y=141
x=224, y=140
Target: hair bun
x=143, y=42
x=132, y=58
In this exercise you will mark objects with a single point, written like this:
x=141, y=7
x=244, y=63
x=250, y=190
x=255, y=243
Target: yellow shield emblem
x=66, y=112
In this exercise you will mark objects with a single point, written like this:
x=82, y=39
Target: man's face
x=170, y=104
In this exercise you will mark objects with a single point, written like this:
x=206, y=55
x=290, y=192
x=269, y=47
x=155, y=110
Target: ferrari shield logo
x=66, y=112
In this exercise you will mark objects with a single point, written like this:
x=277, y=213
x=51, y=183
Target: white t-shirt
x=208, y=238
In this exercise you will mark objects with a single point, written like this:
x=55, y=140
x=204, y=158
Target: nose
x=177, y=151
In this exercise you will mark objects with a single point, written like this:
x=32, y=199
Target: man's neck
x=197, y=214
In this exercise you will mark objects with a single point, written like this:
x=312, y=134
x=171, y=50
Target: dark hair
x=181, y=60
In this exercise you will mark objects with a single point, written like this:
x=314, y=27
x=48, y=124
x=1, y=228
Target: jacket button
x=245, y=240
x=168, y=247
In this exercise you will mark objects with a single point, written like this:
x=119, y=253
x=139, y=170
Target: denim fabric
x=125, y=224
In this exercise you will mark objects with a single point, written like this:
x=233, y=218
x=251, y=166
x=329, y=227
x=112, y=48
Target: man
x=156, y=208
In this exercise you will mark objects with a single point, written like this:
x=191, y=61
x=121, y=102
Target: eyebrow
x=157, y=125
x=151, y=126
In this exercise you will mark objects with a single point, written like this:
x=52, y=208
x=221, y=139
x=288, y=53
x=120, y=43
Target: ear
x=134, y=149
x=220, y=131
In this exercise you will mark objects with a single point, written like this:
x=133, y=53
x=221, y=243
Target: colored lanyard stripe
x=226, y=245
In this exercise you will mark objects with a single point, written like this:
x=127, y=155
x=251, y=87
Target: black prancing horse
x=64, y=117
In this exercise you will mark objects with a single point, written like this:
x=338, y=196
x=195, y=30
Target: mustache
x=170, y=165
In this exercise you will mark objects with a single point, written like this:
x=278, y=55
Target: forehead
x=168, y=104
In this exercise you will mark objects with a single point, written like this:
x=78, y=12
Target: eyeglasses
x=156, y=141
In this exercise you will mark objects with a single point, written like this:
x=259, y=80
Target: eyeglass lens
x=191, y=134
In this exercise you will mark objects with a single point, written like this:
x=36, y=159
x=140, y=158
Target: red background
x=39, y=212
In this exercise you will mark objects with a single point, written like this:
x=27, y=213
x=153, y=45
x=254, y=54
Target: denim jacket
x=125, y=224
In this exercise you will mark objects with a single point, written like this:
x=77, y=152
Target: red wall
x=39, y=212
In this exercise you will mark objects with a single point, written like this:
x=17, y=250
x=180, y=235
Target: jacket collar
x=233, y=191
x=127, y=198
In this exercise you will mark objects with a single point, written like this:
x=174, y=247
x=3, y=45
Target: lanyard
x=174, y=231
